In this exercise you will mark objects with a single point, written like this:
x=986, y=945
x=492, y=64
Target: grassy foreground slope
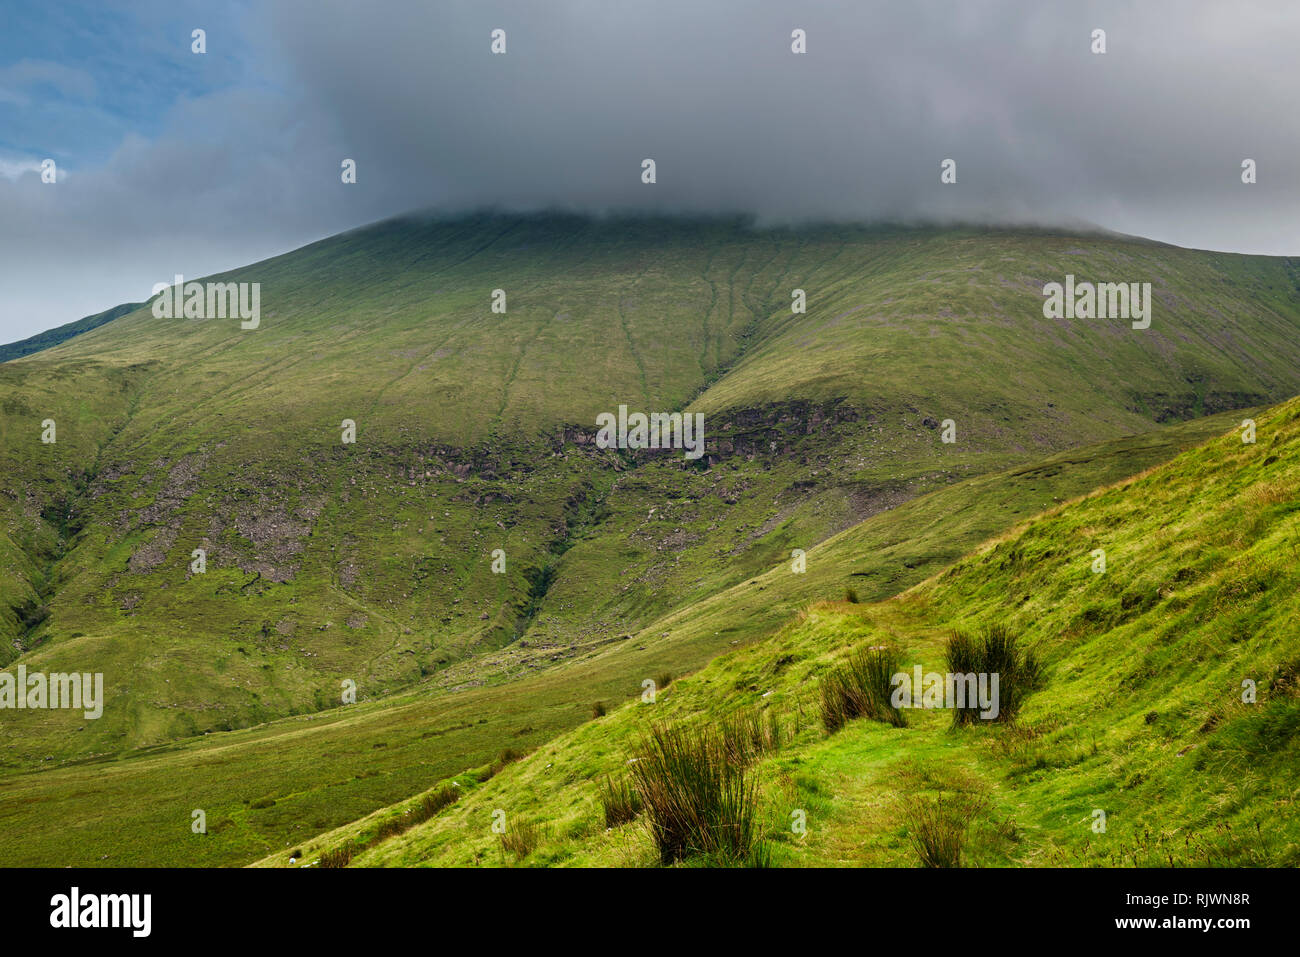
x=1145, y=716
x=271, y=786
x=371, y=562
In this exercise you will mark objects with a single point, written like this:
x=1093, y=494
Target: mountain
x=371, y=562
x=1166, y=733
x=267, y=787
x=52, y=337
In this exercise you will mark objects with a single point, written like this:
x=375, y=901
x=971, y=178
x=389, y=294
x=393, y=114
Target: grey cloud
x=1146, y=139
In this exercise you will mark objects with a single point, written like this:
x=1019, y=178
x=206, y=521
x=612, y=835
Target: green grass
x=994, y=651
x=620, y=801
x=336, y=766
x=372, y=563
x=1140, y=715
x=699, y=800
x=937, y=827
x=52, y=337
x=861, y=688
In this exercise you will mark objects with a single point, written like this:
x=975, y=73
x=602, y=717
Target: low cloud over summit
x=235, y=154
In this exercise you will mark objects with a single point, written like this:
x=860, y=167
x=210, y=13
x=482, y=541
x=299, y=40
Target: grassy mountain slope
x=371, y=562
x=52, y=337
x=267, y=787
x=1142, y=716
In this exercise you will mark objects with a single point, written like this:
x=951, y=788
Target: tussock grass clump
x=435, y=801
x=836, y=701
x=861, y=688
x=748, y=733
x=339, y=857
x=664, y=680
x=1285, y=680
x=851, y=596
x=507, y=756
x=937, y=826
x=698, y=800
x=620, y=801
x=994, y=652
x=521, y=838
x=598, y=709
x=429, y=806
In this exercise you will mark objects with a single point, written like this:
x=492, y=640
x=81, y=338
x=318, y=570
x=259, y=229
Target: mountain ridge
x=371, y=562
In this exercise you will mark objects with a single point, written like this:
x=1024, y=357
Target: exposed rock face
x=766, y=430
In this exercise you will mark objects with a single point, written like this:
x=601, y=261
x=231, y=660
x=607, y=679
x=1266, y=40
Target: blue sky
x=77, y=78
x=145, y=133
